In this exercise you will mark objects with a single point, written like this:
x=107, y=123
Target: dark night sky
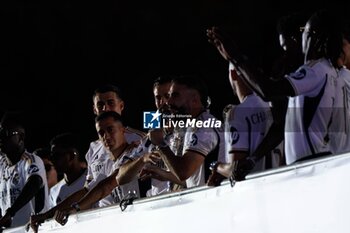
x=53, y=54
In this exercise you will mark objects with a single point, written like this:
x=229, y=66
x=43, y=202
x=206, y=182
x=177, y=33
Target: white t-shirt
x=12, y=180
x=248, y=124
x=340, y=127
x=202, y=141
x=310, y=111
x=62, y=190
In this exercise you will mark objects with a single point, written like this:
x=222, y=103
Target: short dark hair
x=43, y=153
x=346, y=31
x=70, y=141
x=163, y=79
x=108, y=88
x=13, y=120
x=196, y=83
x=114, y=115
x=327, y=27
x=289, y=25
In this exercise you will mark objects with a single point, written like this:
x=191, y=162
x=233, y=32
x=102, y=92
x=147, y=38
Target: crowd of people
x=301, y=112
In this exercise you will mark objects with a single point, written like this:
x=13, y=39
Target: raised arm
x=130, y=170
x=265, y=87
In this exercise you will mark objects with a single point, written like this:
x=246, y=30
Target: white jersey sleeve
x=340, y=124
x=306, y=79
x=309, y=115
x=236, y=133
x=94, y=157
x=203, y=141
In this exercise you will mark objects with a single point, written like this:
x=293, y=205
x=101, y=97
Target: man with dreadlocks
x=310, y=89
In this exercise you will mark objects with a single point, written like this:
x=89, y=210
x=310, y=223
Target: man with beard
x=161, y=179
x=188, y=96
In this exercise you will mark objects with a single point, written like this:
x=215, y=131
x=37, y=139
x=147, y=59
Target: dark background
x=53, y=54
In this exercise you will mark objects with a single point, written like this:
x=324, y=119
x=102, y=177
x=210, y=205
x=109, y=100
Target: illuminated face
x=108, y=101
x=11, y=142
x=111, y=133
x=180, y=98
x=309, y=41
x=283, y=43
x=161, y=96
x=51, y=173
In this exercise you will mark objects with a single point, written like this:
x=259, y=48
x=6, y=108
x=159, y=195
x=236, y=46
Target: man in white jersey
x=310, y=89
x=141, y=158
x=105, y=188
x=245, y=128
x=188, y=98
x=105, y=98
x=288, y=29
x=341, y=130
x=66, y=152
x=23, y=183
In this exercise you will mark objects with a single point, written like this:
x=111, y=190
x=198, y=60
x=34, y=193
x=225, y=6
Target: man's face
x=108, y=101
x=11, y=141
x=161, y=96
x=309, y=41
x=180, y=98
x=61, y=157
x=282, y=41
x=111, y=133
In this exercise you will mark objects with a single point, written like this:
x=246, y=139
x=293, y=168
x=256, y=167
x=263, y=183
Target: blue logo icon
x=151, y=120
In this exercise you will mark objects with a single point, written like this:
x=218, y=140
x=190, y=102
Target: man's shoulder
x=133, y=135
x=56, y=188
x=137, y=132
x=30, y=158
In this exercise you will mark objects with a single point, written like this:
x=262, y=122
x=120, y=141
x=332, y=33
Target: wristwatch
x=214, y=165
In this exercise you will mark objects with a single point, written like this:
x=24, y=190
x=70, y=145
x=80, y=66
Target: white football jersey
x=203, y=141
x=248, y=124
x=340, y=127
x=309, y=113
x=12, y=180
x=97, y=154
x=62, y=190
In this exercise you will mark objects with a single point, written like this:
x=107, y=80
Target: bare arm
x=182, y=166
x=275, y=134
x=130, y=170
x=161, y=174
x=30, y=189
x=101, y=190
x=226, y=169
x=263, y=86
x=37, y=219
